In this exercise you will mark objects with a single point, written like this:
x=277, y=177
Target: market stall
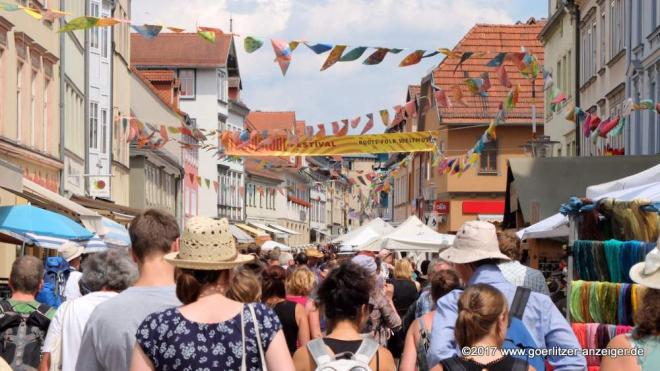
x=412, y=236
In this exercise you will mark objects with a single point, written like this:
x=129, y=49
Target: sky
x=347, y=89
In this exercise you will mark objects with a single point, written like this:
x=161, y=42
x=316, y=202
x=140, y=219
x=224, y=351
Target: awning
x=253, y=231
x=483, y=207
x=241, y=237
x=266, y=228
x=283, y=229
x=490, y=218
x=320, y=231
x=48, y=199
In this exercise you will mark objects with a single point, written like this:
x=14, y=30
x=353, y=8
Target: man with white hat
x=475, y=255
x=72, y=253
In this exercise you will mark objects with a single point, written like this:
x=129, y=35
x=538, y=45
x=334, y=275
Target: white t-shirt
x=71, y=288
x=70, y=321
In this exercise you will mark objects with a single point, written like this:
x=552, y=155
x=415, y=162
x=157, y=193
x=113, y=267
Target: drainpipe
x=86, y=108
x=111, y=56
x=576, y=13
x=63, y=175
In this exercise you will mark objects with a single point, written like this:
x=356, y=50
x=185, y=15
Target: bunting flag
x=457, y=96
x=464, y=58
x=319, y=48
x=216, y=31
x=52, y=15
x=411, y=109
x=293, y=44
x=333, y=57
x=344, y=130
x=369, y=125
x=107, y=22
x=148, y=31
x=33, y=13
x=163, y=134
x=80, y=23
x=355, y=122
x=9, y=7
x=441, y=99
x=208, y=183
x=282, y=54
x=497, y=60
x=321, y=133
x=412, y=58
x=335, y=127
x=512, y=98
x=353, y=54
x=206, y=35
x=175, y=29
x=385, y=117
x=199, y=180
x=309, y=131
x=503, y=77
x=251, y=44
x=215, y=185
x=450, y=53
x=376, y=57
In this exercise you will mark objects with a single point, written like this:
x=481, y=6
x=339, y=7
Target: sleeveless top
x=651, y=346
x=506, y=363
x=286, y=312
x=405, y=293
x=423, y=346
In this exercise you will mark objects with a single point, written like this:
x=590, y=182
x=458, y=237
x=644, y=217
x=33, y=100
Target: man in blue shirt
x=475, y=255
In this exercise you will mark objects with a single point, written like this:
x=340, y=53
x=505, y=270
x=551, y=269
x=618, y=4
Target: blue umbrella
x=116, y=235
x=22, y=219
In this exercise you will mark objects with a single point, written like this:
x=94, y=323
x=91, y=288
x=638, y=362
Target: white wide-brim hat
x=647, y=273
x=207, y=244
x=475, y=240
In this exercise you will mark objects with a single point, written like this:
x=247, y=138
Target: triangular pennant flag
x=497, y=60
x=411, y=109
x=252, y=43
x=344, y=130
x=206, y=35
x=335, y=127
x=107, y=22
x=309, y=131
x=396, y=50
x=376, y=57
x=441, y=98
x=9, y=7
x=175, y=29
x=293, y=44
x=412, y=58
x=431, y=54
x=215, y=185
x=163, y=133
x=353, y=54
x=457, y=96
x=319, y=48
x=199, y=180
x=512, y=98
x=148, y=31
x=282, y=54
x=385, y=116
x=51, y=15
x=173, y=129
x=449, y=53
x=333, y=57
x=208, y=183
x=369, y=125
x=355, y=122
x=464, y=58
x=486, y=82
x=33, y=13
x=490, y=132
x=80, y=23
x=503, y=77
x=321, y=133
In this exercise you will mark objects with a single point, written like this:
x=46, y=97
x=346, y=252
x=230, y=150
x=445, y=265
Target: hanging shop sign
x=332, y=145
x=441, y=207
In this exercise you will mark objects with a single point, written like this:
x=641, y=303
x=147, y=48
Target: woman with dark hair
x=210, y=331
x=344, y=300
x=291, y=314
x=645, y=337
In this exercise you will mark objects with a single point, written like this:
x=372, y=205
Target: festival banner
x=421, y=141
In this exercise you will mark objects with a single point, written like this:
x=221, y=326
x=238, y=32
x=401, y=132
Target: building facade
x=642, y=74
x=558, y=38
x=602, y=68
x=265, y=199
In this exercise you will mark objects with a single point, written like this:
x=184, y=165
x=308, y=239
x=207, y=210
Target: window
x=559, y=75
x=616, y=27
x=222, y=85
x=187, y=78
x=104, y=42
x=45, y=114
x=33, y=107
x=93, y=125
x=19, y=99
x=104, y=131
x=94, y=32
x=569, y=72
x=488, y=158
x=602, y=39
x=594, y=43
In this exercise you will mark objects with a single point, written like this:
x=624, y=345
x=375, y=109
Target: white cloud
x=346, y=89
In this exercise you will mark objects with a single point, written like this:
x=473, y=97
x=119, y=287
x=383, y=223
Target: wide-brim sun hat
x=475, y=240
x=207, y=244
x=71, y=250
x=647, y=273
x=313, y=253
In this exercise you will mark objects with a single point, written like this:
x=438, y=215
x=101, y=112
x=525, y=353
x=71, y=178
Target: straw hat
x=475, y=240
x=207, y=244
x=71, y=250
x=647, y=273
x=313, y=253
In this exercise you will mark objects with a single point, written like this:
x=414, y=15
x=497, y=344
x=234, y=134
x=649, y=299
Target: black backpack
x=22, y=335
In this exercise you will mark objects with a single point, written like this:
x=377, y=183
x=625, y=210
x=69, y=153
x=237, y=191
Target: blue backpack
x=56, y=273
x=517, y=336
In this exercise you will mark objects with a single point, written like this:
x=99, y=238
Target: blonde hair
x=244, y=286
x=479, y=309
x=403, y=269
x=300, y=282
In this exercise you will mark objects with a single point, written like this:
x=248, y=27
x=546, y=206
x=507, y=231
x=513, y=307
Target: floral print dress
x=173, y=342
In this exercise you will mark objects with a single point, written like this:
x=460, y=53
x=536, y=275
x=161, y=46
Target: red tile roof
x=155, y=91
x=252, y=167
x=179, y=50
x=263, y=120
x=491, y=39
x=159, y=75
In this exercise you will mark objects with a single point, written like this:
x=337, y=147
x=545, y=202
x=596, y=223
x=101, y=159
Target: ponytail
x=479, y=309
x=189, y=283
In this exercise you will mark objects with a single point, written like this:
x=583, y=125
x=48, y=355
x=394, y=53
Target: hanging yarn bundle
x=603, y=302
x=629, y=221
x=597, y=336
x=610, y=260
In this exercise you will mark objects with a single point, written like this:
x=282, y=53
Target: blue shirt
x=543, y=320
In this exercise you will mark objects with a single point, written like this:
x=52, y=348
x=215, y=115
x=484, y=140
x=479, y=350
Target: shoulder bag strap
x=519, y=303
x=264, y=367
x=243, y=365
x=519, y=365
x=319, y=352
x=5, y=306
x=367, y=350
x=453, y=364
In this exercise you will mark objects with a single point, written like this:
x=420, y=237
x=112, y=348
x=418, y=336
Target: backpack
x=518, y=336
x=22, y=335
x=56, y=273
x=454, y=364
x=328, y=362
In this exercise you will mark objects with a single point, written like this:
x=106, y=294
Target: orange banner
x=421, y=141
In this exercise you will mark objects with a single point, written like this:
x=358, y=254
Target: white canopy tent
x=412, y=235
x=357, y=239
x=644, y=185
x=270, y=245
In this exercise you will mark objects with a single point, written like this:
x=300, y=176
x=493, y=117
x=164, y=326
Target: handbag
x=262, y=357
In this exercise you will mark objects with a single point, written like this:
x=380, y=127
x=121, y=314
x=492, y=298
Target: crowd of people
x=194, y=301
